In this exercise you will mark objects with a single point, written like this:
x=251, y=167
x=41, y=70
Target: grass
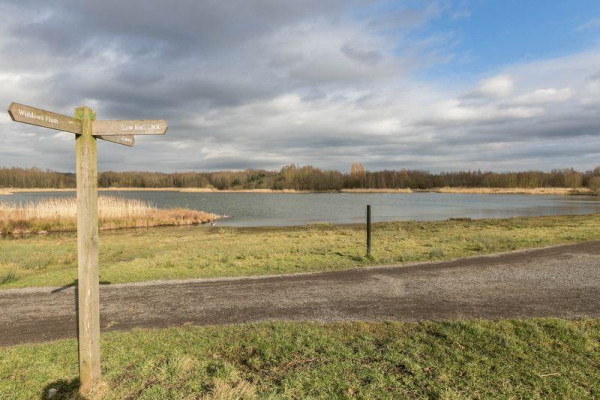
x=537, y=358
x=56, y=214
x=206, y=252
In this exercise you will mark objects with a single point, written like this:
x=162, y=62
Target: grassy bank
x=204, y=252
x=60, y=214
x=540, y=358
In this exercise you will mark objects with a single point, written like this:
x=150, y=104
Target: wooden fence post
x=87, y=251
x=369, y=230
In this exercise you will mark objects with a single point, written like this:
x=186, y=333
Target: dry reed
x=480, y=190
x=535, y=191
x=60, y=214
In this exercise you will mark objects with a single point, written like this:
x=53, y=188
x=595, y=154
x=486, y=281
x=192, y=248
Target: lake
x=266, y=209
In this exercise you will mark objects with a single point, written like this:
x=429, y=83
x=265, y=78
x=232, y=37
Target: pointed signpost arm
x=87, y=251
x=47, y=119
x=130, y=127
x=126, y=140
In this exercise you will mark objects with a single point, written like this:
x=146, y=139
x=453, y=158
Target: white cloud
x=594, y=23
x=591, y=92
x=455, y=111
x=497, y=86
x=548, y=95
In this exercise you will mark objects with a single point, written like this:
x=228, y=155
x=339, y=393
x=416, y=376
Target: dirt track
x=561, y=281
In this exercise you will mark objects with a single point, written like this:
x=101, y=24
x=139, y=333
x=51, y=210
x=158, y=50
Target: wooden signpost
x=87, y=130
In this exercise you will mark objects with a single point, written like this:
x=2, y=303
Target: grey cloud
x=594, y=77
x=354, y=52
x=406, y=18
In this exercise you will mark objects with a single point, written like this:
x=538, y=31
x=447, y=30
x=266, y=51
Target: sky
x=435, y=85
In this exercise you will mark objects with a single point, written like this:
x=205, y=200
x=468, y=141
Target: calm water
x=260, y=209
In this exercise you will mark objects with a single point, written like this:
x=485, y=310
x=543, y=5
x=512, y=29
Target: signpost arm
x=87, y=251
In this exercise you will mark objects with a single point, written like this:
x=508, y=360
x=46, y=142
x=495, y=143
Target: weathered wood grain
x=87, y=252
x=129, y=127
x=35, y=116
x=126, y=140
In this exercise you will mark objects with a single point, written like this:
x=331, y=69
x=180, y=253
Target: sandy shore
x=458, y=190
x=208, y=190
x=376, y=191
x=134, y=189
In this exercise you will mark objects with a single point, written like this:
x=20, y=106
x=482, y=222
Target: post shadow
x=74, y=284
x=62, y=389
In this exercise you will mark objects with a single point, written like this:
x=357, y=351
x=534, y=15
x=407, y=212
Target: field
x=60, y=214
x=538, y=358
x=204, y=252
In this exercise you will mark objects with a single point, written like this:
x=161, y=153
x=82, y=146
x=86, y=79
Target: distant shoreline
x=454, y=190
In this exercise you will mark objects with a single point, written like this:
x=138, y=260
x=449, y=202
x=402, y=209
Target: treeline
x=308, y=178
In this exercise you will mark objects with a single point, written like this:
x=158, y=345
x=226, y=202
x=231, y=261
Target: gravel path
x=562, y=281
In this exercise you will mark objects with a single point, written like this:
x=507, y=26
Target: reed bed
x=557, y=191
x=60, y=214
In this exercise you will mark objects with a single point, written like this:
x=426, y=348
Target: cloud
x=271, y=83
x=363, y=56
x=591, y=91
x=455, y=111
x=594, y=23
x=497, y=86
x=546, y=95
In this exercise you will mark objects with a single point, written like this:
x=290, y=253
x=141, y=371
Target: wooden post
x=369, y=230
x=87, y=251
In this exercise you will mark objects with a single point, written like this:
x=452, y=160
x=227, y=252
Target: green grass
x=204, y=252
x=538, y=358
